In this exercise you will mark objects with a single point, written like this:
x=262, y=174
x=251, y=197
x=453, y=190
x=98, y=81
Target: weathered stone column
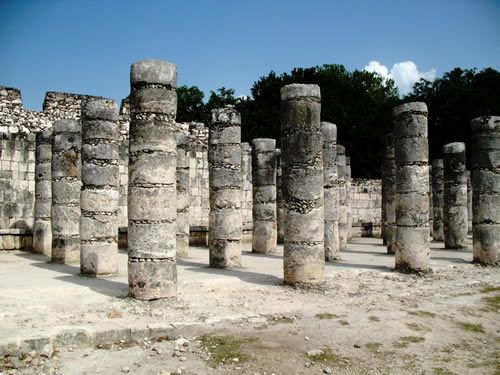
x=431, y=204
x=280, y=217
x=330, y=174
x=66, y=185
x=152, y=225
x=348, y=197
x=42, y=233
x=342, y=190
x=246, y=188
x=455, y=196
x=411, y=152
x=437, y=200
x=302, y=184
x=389, y=168
x=224, y=160
x=183, y=195
x=486, y=189
x=469, y=203
x=99, y=197
x=264, y=234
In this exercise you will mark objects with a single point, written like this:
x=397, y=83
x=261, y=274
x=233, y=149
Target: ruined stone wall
x=366, y=207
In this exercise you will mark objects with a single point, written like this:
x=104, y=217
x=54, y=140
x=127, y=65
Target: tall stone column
x=486, y=189
x=469, y=203
x=348, y=184
x=224, y=160
x=330, y=174
x=100, y=193
x=264, y=234
x=302, y=184
x=183, y=195
x=389, y=167
x=437, y=200
x=411, y=152
x=342, y=190
x=431, y=203
x=455, y=196
x=246, y=188
x=152, y=225
x=280, y=217
x=66, y=185
x=42, y=233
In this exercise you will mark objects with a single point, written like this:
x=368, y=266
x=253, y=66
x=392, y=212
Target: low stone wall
x=366, y=207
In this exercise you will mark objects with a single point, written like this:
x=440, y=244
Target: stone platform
x=44, y=302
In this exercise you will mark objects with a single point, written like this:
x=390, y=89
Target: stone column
x=469, y=203
x=100, y=193
x=431, y=205
x=342, y=190
x=455, y=196
x=279, y=199
x=42, y=233
x=389, y=168
x=437, y=200
x=348, y=197
x=183, y=195
x=330, y=174
x=486, y=189
x=264, y=234
x=383, y=212
x=224, y=160
x=152, y=225
x=302, y=184
x=246, y=188
x=411, y=152
x=66, y=185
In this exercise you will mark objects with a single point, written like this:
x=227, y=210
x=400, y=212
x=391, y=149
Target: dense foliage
x=360, y=103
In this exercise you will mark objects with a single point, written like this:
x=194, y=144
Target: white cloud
x=404, y=74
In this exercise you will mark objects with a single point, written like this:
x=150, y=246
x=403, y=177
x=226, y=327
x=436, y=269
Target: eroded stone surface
x=437, y=200
x=389, y=193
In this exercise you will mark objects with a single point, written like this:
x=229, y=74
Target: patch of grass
x=373, y=346
x=328, y=357
x=344, y=322
x=403, y=342
x=471, y=327
x=492, y=303
x=441, y=371
x=415, y=327
x=224, y=349
x=490, y=289
x=422, y=314
x=280, y=320
x=327, y=315
x=261, y=327
x=374, y=318
x=462, y=345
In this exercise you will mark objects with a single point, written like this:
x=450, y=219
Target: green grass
x=328, y=357
x=374, y=318
x=415, y=327
x=471, y=327
x=280, y=320
x=492, y=303
x=403, y=342
x=223, y=349
x=344, y=322
x=373, y=346
x=490, y=289
x=422, y=313
x=327, y=315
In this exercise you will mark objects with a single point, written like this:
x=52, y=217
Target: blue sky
x=87, y=46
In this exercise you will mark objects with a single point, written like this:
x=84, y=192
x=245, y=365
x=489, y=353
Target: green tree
x=190, y=106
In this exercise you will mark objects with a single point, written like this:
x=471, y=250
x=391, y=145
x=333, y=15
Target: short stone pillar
x=302, y=184
x=389, y=173
x=469, y=203
x=330, y=174
x=342, y=190
x=348, y=184
x=411, y=152
x=42, y=233
x=455, y=196
x=437, y=200
x=100, y=194
x=280, y=217
x=66, y=186
x=152, y=226
x=264, y=234
x=486, y=189
x=224, y=161
x=183, y=195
